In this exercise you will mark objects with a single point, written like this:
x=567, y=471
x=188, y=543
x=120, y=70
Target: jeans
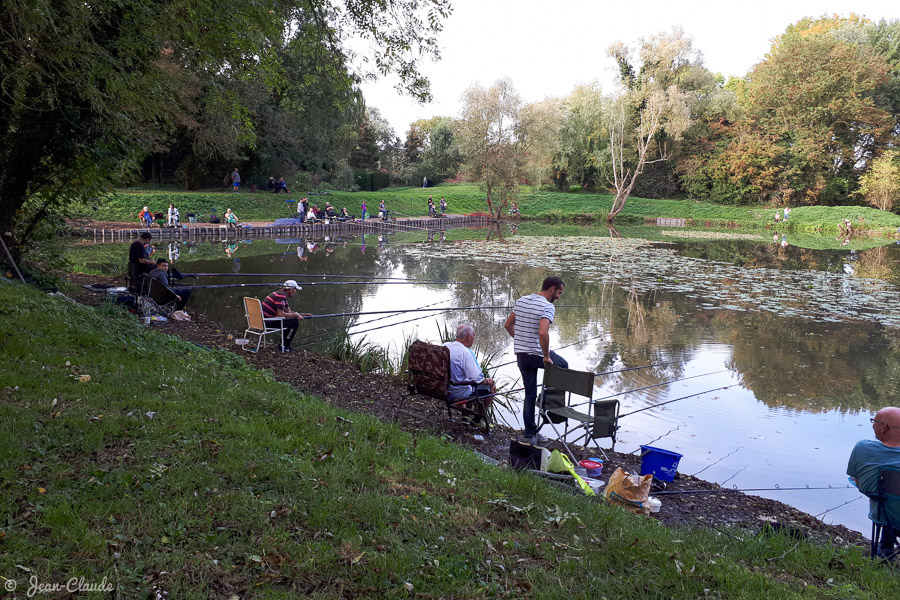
x=528, y=367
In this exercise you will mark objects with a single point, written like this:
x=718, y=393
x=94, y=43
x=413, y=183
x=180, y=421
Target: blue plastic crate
x=662, y=464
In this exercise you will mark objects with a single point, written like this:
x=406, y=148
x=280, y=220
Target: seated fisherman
x=161, y=274
x=276, y=305
x=344, y=215
x=329, y=210
x=231, y=219
x=281, y=186
x=870, y=456
x=139, y=261
x=465, y=368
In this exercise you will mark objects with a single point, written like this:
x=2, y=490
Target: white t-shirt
x=529, y=311
x=463, y=367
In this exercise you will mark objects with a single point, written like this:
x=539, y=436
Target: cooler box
x=662, y=464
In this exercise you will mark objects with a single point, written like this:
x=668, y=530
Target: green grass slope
x=180, y=469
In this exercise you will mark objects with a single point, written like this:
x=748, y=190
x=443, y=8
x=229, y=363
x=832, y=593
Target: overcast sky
x=547, y=47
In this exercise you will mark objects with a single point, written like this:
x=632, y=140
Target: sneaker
x=534, y=440
x=285, y=349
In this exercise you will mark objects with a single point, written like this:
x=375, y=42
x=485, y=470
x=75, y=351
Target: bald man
x=465, y=368
x=869, y=456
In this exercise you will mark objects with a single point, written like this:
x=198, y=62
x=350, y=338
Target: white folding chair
x=256, y=323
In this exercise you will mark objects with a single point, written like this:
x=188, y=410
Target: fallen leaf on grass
x=42, y=490
x=84, y=378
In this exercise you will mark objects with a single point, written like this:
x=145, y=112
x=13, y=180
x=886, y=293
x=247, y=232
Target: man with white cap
x=276, y=305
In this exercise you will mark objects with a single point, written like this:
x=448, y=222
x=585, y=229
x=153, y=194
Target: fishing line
x=332, y=333
x=822, y=514
x=647, y=387
x=677, y=399
x=718, y=461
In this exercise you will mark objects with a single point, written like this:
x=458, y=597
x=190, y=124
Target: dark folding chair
x=594, y=420
x=887, y=503
x=429, y=365
x=163, y=299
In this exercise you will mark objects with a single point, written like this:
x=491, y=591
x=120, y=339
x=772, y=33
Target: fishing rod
x=310, y=283
x=299, y=275
x=322, y=335
x=677, y=399
x=665, y=364
x=774, y=489
x=382, y=312
x=647, y=387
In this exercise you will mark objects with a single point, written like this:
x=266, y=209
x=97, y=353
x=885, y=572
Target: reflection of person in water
x=784, y=242
x=363, y=247
x=230, y=249
x=431, y=233
x=173, y=251
x=236, y=265
x=301, y=251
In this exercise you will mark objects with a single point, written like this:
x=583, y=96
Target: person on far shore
x=147, y=217
x=276, y=305
x=868, y=458
x=173, y=217
x=363, y=208
x=281, y=186
x=529, y=325
x=236, y=180
x=443, y=206
x=230, y=218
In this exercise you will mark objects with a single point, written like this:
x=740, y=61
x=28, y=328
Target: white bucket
x=654, y=503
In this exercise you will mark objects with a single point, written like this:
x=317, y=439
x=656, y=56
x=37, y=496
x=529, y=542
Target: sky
x=548, y=47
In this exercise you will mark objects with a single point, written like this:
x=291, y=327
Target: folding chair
x=291, y=205
x=595, y=420
x=429, y=365
x=886, y=504
x=161, y=297
x=256, y=323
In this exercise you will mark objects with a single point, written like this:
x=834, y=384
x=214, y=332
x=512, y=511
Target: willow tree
x=89, y=88
x=651, y=111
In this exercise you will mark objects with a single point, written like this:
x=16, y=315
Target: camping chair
x=887, y=502
x=256, y=323
x=155, y=296
x=430, y=368
x=595, y=420
x=291, y=205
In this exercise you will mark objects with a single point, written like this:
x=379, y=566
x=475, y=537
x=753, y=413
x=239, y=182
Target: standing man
x=868, y=457
x=276, y=305
x=529, y=325
x=465, y=368
x=236, y=180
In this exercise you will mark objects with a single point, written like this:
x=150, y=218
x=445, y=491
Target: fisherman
x=868, y=458
x=276, y=306
x=465, y=368
x=529, y=326
x=139, y=261
x=161, y=274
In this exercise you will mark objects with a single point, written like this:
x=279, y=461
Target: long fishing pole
x=304, y=275
x=774, y=489
x=647, y=387
x=310, y=283
x=677, y=399
x=322, y=335
x=382, y=312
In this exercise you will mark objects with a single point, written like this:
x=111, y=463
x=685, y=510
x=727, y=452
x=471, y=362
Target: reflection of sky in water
x=802, y=390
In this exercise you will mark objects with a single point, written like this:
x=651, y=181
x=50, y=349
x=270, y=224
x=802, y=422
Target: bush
x=345, y=180
x=302, y=181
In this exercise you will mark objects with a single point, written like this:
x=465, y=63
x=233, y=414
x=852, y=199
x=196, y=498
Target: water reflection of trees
x=798, y=364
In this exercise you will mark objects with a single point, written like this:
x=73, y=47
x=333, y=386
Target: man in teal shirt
x=869, y=457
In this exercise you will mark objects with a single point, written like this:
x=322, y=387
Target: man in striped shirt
x=529, y=325
x=276, y=305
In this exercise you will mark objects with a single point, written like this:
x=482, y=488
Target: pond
x=805, y=342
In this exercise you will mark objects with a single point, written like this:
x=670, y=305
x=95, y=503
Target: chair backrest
x=430, y=368
x=606, y=419
x=159, y=292
x=253, y=308
x=888, y=497
x=580, y=383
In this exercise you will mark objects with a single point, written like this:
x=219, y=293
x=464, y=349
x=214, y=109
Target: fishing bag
x=523, y=455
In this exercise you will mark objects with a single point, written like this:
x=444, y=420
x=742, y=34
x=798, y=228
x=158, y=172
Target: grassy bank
x=462, y=199
x=159, y=464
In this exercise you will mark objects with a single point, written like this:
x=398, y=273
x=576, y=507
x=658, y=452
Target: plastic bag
x=560, y=463
x=629, y=491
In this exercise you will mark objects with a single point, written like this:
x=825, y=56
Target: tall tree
x=651, y=111
x=493, y=141
x=89, y=88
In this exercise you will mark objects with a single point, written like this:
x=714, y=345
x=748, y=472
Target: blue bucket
x=662, y=464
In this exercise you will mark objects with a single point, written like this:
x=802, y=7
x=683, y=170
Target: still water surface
x=809, y=347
